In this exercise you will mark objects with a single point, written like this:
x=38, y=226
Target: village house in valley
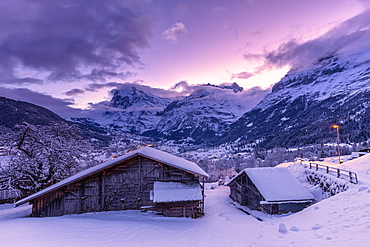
x=146, y=179
x=273, y=190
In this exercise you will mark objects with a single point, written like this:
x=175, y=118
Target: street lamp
x=338, y=141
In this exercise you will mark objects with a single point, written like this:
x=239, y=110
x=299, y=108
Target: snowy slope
x=343, y=220
x=360, y=166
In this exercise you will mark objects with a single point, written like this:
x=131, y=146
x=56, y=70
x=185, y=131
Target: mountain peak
x=235, y=87
x=132, y=97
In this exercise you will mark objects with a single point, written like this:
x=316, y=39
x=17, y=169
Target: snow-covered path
x=133, y=228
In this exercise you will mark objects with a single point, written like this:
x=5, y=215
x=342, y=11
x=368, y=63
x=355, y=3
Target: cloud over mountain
x=61, y=107
x=349, y=35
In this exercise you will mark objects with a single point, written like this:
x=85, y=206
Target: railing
x=339, y=173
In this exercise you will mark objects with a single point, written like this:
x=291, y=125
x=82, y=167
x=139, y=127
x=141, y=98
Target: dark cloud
x=97, y=86
x=61, y=107
x=241, y=75
x=100, y=75
x=253, y=57
x=69, y=39
x=160, y=92
x=353, y=34
x=75, y=91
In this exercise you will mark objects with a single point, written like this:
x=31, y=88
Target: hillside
x=13, y=112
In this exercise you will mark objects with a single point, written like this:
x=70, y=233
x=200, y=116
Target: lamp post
x=338, y=140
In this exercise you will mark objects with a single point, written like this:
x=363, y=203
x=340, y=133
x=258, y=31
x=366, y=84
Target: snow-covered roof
x=175, y=192
x=277, y=184
x=146, y=152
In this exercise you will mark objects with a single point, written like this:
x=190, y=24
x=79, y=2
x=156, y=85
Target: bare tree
x=44, y=155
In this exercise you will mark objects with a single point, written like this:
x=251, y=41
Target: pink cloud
x=172, y=34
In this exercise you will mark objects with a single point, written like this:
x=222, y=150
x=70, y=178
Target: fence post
x=352, y=175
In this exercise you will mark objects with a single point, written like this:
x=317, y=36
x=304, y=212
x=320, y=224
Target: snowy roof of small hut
x=276, y=184
x=147, y=152
x=175, y=192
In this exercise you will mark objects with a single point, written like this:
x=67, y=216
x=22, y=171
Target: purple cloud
x=172, y=34
x=70, y=39
x=352, y=34
x=75, y=91
x=241, y=75
x=184, y=87
x=94, y=87
x=59, y=106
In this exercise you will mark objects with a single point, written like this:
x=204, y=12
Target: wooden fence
x=339, y=173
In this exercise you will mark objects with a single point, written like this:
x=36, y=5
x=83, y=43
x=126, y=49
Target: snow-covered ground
x=342, y=220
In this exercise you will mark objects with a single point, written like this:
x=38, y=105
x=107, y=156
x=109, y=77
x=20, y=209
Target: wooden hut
x=132, y=181
x=273, y=190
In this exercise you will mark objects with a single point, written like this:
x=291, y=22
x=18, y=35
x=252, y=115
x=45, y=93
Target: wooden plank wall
x=244, y=192
x=124, y=186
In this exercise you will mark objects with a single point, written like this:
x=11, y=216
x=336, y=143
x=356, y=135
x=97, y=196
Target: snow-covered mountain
x=199, y=118
x=132, y=110
x=301, y=108
x=202, y=116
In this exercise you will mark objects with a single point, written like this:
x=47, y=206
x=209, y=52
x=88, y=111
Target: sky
x=63, y=54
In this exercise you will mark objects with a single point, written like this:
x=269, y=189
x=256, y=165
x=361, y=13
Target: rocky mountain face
x=134, y=111
x=302, y=107
x=199, y=118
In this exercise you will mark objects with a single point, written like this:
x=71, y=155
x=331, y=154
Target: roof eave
x=174, y=165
